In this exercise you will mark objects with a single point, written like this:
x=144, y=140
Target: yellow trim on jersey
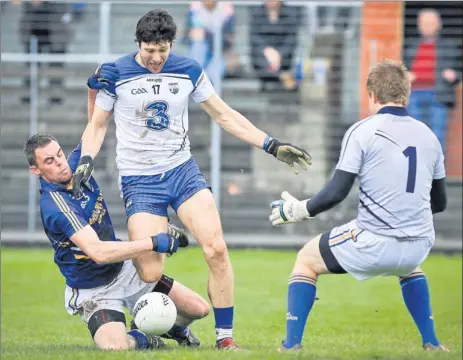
x=64, y=207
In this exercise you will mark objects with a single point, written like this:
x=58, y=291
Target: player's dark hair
x=155, y=27
x=35, y=142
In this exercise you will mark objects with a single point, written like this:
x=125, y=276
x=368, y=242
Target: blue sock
x=301, y=296
x=415, y=292
x=140, y=339
x=223, y=322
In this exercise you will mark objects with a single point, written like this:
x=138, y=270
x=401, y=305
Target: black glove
x=165, y=243
x=104, y=75
x=179, y=234
x=82, y=175
x=288, y=154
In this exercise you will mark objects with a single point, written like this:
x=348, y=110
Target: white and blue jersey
x=396, y=158
x=63, y=216
x=151, y=113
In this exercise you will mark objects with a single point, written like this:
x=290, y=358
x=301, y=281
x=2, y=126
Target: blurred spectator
x=273, y=35
x=49, y=22
x=432, y=61
x=205, y=18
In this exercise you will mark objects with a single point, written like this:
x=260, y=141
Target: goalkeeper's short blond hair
x=389, y=81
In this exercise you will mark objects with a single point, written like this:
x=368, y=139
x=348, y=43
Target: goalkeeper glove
x=104, y=75
x=165, y=243
x=288, y=210
x=82, y=175
x=288, y=154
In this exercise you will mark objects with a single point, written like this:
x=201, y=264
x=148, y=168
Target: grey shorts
x=123, y=291
x=364, y=255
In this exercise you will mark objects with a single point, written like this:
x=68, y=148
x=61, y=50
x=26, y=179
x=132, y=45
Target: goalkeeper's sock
x=301, y=296
x=223, y=322
x=415, y=292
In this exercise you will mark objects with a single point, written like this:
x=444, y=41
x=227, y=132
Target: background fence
x=329, y=46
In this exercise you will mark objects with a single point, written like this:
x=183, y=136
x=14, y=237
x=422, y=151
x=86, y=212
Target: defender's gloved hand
x=288, y=153
x=165, y=243
x=104, y=75
x=179, y=234
x=288, y=210
x=82, y=175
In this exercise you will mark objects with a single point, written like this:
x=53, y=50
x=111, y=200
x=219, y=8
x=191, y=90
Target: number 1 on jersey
x=156, y=89
x=410, y=153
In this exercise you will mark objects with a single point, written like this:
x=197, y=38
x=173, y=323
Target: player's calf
x=200, y=216
x=415, y=292
x=302, y=291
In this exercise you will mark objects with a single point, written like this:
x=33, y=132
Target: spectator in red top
x=433, y=63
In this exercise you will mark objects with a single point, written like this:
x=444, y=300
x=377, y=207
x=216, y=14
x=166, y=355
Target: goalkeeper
x=399, y=164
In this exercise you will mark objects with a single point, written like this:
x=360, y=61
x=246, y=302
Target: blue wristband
x=266, y=142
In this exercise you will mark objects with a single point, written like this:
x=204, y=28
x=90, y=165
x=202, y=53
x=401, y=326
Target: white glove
x=288, y=210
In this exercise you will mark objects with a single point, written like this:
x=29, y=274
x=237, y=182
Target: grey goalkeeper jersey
x=396, y=158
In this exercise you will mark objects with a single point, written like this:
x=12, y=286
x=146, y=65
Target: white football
x=154, y=313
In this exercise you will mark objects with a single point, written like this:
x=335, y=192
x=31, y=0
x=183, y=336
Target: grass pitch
x=351, y=320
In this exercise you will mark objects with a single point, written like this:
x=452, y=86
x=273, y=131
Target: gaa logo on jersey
x=159, y=119
x=173, y=87
x=139, y=91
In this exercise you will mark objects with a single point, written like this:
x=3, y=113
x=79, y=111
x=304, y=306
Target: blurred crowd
x=434, y=61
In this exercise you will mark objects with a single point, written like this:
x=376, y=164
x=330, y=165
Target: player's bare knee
x=202, y=308
x=150, y=275
x=309, y=258
x=107, y=328
x=199, y=309
x=216, y=253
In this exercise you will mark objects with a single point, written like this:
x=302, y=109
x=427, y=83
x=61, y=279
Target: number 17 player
x=149, y=92
x=400, y=168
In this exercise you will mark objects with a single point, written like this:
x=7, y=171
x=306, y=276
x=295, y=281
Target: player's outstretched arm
x=290, y=210
x=92, y=139
x=104, y=78
x=237, y=125
x=105, y=252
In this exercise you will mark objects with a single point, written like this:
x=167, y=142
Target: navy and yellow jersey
x=63, y=216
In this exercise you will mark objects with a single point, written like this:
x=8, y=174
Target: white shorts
x=123, y=291
x=364, y=255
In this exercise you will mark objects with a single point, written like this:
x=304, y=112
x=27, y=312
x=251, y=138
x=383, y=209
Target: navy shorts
x=154, y=193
